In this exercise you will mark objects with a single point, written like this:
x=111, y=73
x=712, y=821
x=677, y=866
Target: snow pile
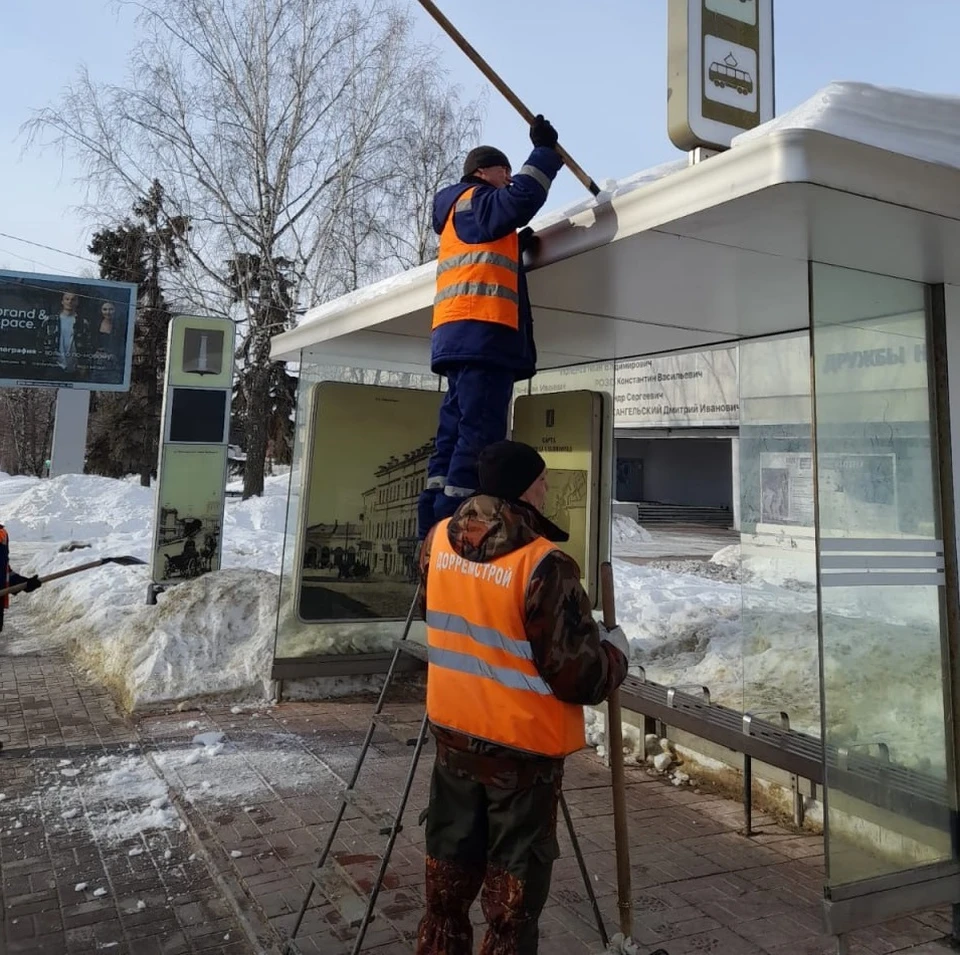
x=626, y=532
x=902, y=121
x=212, y=636
x=743, y=623
x=77, y=507
x=209, y=636
x=751, y=637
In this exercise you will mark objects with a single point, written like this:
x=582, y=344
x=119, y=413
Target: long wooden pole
x=56, y=575
x=615, y=742
x=511, y=97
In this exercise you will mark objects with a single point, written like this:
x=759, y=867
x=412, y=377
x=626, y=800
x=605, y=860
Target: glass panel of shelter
x=889, y=761
x=298, y=637
x=779, y=652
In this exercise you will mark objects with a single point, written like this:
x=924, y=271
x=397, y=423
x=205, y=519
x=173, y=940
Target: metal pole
x=511, y=97
x=583, y=871
x=394, y=832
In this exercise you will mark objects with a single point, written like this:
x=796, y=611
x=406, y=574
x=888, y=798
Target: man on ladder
x=514, y=655
x=482, y=339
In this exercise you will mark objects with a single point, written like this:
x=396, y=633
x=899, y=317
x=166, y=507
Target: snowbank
x=743, y=623
x=209, y=636
x=626, y=532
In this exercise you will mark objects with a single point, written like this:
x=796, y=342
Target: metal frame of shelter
x=739, y=247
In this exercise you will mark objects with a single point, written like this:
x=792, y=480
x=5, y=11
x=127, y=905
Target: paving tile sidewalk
x=148, y=894
x=253, y=804
x=698, y=885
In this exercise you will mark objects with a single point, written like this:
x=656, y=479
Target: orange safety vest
x=5, y=542
x=481, y=676
x=478, y=281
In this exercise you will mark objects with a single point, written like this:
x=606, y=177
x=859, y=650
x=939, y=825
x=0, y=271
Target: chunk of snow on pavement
x=235, y=854
x=135, y=851
x=80, y=886
x=208, y=739
x=99, y=892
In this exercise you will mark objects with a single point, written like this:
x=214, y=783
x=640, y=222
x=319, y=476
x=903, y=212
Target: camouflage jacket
x=561, y=629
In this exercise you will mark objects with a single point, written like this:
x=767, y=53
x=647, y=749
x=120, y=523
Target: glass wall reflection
x=881, y=577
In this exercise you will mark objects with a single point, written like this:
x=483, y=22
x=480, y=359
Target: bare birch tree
x=26, y=420
x=268, y=121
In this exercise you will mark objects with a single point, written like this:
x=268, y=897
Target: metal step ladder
x=332, y=880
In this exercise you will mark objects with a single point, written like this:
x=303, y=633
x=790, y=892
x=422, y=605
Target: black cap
x=506, y=470
x=482, y=158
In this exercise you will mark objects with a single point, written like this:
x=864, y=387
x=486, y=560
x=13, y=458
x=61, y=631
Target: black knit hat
x=506, y=470
x=482, y=158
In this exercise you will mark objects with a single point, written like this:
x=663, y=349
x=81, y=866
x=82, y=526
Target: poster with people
x=65, y=332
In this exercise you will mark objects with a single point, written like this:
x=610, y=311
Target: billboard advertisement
x=65, y=332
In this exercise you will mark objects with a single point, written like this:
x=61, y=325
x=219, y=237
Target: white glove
x=616, y=637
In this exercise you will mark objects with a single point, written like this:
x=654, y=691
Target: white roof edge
x=653, y=203
x=784, y=155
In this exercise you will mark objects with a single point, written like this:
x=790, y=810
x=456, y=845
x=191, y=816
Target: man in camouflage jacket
x=492, y=818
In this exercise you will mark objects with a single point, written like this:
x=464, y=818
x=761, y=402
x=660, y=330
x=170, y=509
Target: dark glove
x=33, y=583
x=529, y=240
x=543, y=134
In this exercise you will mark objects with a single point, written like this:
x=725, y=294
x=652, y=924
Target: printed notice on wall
x=565, y=429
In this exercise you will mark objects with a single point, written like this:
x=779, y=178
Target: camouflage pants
x=503, y=841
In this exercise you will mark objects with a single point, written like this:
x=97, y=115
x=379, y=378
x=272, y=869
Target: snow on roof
x=610, y=189
x=921, y=125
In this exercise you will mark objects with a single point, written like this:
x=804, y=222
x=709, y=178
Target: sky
x=595, y=68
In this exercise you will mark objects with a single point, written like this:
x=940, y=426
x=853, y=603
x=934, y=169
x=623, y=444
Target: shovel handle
x=615, y=742
x=16, y=588
x=508, y=93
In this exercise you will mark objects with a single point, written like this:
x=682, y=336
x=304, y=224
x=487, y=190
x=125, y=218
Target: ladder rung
x=335, y=884
x=398, y=730
x=413, y=649
x=366, y=807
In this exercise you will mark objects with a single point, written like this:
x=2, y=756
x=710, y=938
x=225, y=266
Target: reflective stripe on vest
x=476, y=281
x=482, y=679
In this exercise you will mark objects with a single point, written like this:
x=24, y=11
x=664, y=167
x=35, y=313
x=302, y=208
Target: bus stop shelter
x=839, y=225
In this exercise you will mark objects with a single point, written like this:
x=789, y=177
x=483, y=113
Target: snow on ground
x=118, y=797
x=627, y=533
x=742, y=623
x=213, y=635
